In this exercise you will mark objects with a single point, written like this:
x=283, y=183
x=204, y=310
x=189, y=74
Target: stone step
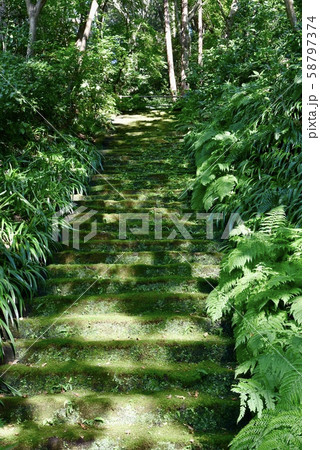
x=207, y=348
x=117, y=326
x=144, y=141
x=147, y=257
x=157, y=218
x=129, y=271
x=129, y=205
x=92, y=286
x=206, y=377
x=154, y=214
x=131, y=194
x=122, y=245
x=132, y=233
x=132, y=303
x=131, y=161
x=151, y=179
x=119, y=184
x=130, y=410
x=167, y=420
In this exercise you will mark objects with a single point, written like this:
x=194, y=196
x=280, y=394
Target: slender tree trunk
x=200, y=34
x=34, y=11
x=178, y=21
x=172, y=78
x=82, y=26
x=229, y=22
x=82, y=42
x=291, y=13
x=173, y=20
x=185, y=46
x=2, y=24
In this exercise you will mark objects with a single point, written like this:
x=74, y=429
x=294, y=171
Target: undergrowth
x=243, y=119
x=36, y=183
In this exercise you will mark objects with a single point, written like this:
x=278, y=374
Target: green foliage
x=245, y=137
x=35, y=184
x=246, y=117
x=275, y=429
x=260, y=286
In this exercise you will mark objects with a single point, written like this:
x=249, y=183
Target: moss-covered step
x=130, y=206
x=210, y=348
x=124, y=245
x=124, y=271
x=204, y=377
x=163, y=223
x=131, y=159
x=110, y=231
x=168, y=154
x=157, y=257
x=202, y=412
x=97, y=285
x=121, y=184
x=141, y=303
x=118, y=326
x=157, y=165
x=144, y=142
x=140, y=180
x=144, y=194
x=143, y=131
x=30, y=436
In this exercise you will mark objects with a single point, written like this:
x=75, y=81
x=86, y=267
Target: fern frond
x=273, y=220
x=275, y=430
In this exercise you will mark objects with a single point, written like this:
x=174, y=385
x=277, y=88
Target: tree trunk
x=178, y=21
x=200, y=34
x=173, y=20
x=229, y=22
x=82, y=42
x=185, y=46
x=291, y=13
x=172, y=78
x=33, y=14
x=82, y=26
x=3, y=24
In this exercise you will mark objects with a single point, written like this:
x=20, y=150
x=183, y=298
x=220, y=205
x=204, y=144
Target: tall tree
x=172, y=78
x=291, y=13
x=200, y=34
x=178, y=20
x=83, y=39
x=2, y=24
x=34, y=11
x=185, y=45
x=229, y=22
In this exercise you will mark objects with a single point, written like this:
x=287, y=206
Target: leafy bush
x=260, y=286
x=35, y=184
x=245, y=136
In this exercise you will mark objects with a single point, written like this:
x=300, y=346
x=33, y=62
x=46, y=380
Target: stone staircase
x=118, y=352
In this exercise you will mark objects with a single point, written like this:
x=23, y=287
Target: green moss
x=151, y=257
x=212, y=348
x=133, y=303
x=95, y=285
x=118, y=326
x=126, y=377
x=124, y=271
